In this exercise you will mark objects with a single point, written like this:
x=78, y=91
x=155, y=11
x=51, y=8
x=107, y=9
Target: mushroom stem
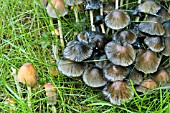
x=61, y=33
x=76, y=14
x=121, y=3
x=127, y=2
x=91, y=20
x=116, y=4
x=137, y=18
x=53, y=109
x=29, y=96
x=101, y=13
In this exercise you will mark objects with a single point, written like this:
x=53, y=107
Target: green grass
x=25, y=36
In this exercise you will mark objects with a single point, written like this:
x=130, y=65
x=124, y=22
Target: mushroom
x=166, y=51
x=156, y=44
x=147, y=61
x=114, y=73
x=149, y=7
x=117, y=19
x=147, y=85
x=102, y=61
x=167, y=29
x=152, y=26
x=93, y=77
x=70, y=68
x=164, y=15
x=51, y=95
x=118, y=54
x=161, y=77
x=77, y=51
x=27, y=75
x=135, y=76
x=108, y=7
x=56, y=9
x=118, y=92
x=125, y=36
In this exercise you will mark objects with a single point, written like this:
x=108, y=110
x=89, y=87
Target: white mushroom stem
x=29, y=96
x=137, y=18
x=76, y=13
x=61, y=33
x=101, y=13
x=121, y=3
x=116, y=4
x=91, y=20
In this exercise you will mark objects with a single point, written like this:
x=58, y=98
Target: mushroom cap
x=76, y=51
x=117, y=19
x=93, y=77
x=114, y=72
x=118, y=54
x=147, y=62
x=70, y=68
x=27, y=74
x=166, y=51
x=100, y=40
x=136, y=77
x=49, y=87
x=167, y=29
x=149, y=7
x=161, y=77
x=156, y=44
x=164, y=15
x=125, y=36
x=56, y=8
x=101, y=64
x=147, y=85
x=74, y=2
x=108, y=7
x=153, y=27
x=92, y=4
x=117, y=92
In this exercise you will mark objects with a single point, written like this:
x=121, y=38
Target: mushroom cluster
x=128, y=54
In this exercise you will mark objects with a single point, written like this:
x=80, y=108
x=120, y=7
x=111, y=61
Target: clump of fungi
x=128, y=54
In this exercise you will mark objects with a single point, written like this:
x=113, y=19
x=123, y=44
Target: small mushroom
x=125, y=36
x=152, y=26
x=93, y=77
x=108, y=7
x=70, y=68
x=136, y=77
x=167, y=29
x=118, y=92
x=161, y=77
x=117, y=19
x=156, y=44
x=149, y=7
x=114, y=73
x=166, y=51
x=77, y=51
x=27, y=75
x=147, y=85
x=118, y=54
x=147, y=62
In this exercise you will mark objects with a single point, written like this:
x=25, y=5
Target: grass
x=25, y=36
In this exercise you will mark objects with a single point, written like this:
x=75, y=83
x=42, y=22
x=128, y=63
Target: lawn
x=26, y=36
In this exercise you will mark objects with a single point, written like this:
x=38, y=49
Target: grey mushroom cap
x=56, y=8
x=127, y=36
x=166, y=51
x=114, y=72
x=136, y=77
x=156, y=44
x=164, y=15
x=93, y=77
x=117, y=19
x=147, y=61
x=103, y=62
x=92, y=4
x=149, y=7
x=123, y=55
x=167, y=29
x=152, y=26
x=118, y=92
x=77, y=51
x=74, y=2
x=70, y=68
x=108, y=7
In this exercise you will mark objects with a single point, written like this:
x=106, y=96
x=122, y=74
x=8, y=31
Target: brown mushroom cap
x=27, y=75
x=93, y=77
x=136, y=77
x=152, y=26
x=113, y=72
x=164, y=15
x=56, y=8
x=147, y=62
x=156, y=44
x=118, y=92
x=117, y=19
x=166, y=51
x=49, y=87
x=108, y=7
x=149, y=7
x=146, y=85
x=118, y=54
x=125, y=36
